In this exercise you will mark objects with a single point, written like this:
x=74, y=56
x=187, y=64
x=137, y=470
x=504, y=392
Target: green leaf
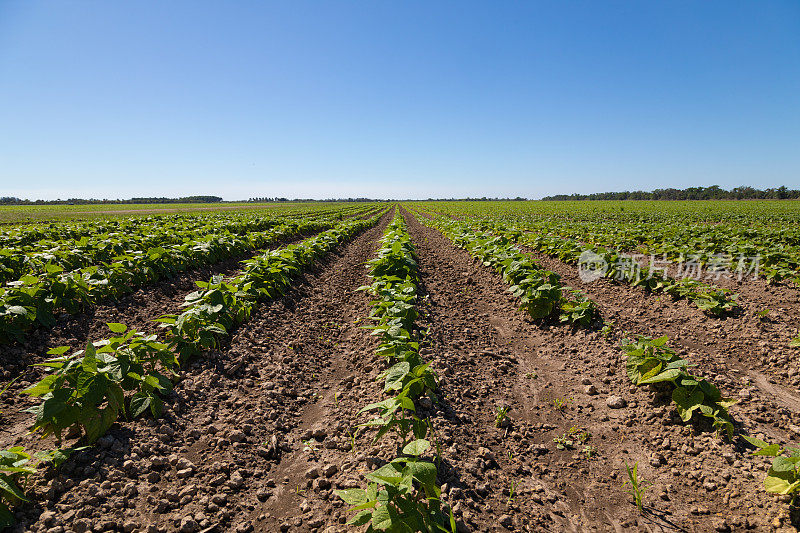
x=58, y=351
x=416, y=447
x=785, y=464
x=352, y=496
x=116, y=327
x=388, y=473
x=781, y=482
x=395, y=375
x=96, y=422
x=764, y=448
x=667, y=375
x=140, y=402
x=6, y=516
x=156, y=406
x=687, y=402
x=42, y=387
x=7, y=485
x=362, y=518
x=381, y=518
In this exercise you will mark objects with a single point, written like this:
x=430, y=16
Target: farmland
x=421, y=366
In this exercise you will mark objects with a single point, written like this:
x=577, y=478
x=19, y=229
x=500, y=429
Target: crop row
x=127, y=374
x=651, y=362
x=709, y=246
x=129, y=236
x=539, y=290
x=615, y=265
x=723, y=238
x=71, y=230
x=403, y=494
x=37, y=300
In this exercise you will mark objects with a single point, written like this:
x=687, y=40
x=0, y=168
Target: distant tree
x=714, y=192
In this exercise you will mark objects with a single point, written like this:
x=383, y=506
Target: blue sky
x=395, y=99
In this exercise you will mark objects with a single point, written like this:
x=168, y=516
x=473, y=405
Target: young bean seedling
x=502, y=416
x=638, y=484
x=561, y=403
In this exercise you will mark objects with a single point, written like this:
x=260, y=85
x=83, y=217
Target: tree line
x=11, y=200
x=692, y=193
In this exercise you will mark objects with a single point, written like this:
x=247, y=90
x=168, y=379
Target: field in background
x=536, y=349
x=22, y=214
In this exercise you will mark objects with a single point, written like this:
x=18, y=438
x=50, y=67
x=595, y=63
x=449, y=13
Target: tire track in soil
x=207, y=462
x=734, y=352
x=316, y=458
x=764, y=340
x=491, y=356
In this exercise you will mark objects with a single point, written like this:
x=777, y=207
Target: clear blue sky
x=395, y=99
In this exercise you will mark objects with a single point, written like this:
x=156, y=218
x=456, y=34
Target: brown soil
x=257, y=436
x=748, y=354
x=136, y=310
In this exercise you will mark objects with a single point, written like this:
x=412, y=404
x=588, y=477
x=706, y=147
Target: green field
x=21, y=214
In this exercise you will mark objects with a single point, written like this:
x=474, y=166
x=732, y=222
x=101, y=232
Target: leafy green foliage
x=90, y=389
x=501, y=418
x=651, y=361
x=403, y=495
x=574, y=436
x=14, y=468
x=783, y=476
x=16, y=465
x=72, y=275
x=539, y=290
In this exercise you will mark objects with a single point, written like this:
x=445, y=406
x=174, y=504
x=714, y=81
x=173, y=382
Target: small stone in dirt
x=244, y=527
x=616, y=402
x=236, y=481
x=237, y=436
x=312, y=473
x=744, y=394
x=591, y=390
x=330, y=470
x=130, y=467
x=189, y=525
x=506, y=521
x=184, y=473
x=486, y=454
x=720, y=524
